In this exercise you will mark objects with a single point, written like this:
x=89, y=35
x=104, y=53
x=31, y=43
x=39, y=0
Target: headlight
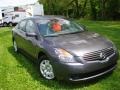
x=63, y=55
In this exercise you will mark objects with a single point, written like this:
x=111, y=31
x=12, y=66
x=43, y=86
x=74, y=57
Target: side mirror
x=31, y=35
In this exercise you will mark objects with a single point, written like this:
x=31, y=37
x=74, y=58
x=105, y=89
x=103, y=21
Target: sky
x=5, y=3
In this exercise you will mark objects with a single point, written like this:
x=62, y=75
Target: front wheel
x=46, y=68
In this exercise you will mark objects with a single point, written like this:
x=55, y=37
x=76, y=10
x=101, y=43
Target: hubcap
x=46, y=69
x=15, y=46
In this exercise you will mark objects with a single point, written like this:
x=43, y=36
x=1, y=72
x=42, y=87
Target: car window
x=30, y=27
x=22, y=25
x=42, y=26
x=51, y=27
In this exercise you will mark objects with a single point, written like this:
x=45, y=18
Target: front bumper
x=84, y=71
x=87, y=76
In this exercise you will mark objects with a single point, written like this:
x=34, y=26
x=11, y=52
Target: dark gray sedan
x=64, y=49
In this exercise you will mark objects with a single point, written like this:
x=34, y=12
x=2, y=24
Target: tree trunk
x=83, y=8
x=77, y=7
x=93, y=10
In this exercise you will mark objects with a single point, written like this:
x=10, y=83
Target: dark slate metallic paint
x=76, y=44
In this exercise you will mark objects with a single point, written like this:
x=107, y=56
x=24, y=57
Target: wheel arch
x=10, y=23
x=42, y=53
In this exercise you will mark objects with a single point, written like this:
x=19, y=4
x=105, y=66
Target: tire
x=5, y=24
x=10, y=24
x=15, y=46
x=46, y=69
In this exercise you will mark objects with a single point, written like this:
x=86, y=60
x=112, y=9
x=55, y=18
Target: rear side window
x=22, y=25
x=30, y=27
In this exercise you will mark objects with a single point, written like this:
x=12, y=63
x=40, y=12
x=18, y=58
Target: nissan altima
x=64, y=49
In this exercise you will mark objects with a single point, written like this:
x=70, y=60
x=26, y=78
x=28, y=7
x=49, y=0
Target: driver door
x=31, y=42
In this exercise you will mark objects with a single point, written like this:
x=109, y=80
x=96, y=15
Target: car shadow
x=53, y=84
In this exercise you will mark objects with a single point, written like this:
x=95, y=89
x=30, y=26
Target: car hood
x=80, y=43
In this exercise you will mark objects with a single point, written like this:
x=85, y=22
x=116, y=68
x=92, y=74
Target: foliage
x=99, y=9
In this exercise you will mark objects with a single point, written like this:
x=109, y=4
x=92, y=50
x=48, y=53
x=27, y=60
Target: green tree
x=97, y=9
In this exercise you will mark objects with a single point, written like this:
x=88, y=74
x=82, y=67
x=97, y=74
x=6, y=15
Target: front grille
x=98, y=55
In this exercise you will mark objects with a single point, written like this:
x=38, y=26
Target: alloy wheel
x=46, y=69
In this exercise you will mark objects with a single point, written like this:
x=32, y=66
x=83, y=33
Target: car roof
x=46, y=17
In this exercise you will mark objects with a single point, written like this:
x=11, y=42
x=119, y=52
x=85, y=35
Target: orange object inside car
x=56, y=27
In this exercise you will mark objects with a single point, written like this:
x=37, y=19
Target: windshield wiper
x=55, y=35
x=50, y=35
x=75, y=32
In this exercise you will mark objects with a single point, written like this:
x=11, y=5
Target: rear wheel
x=10, y=24
x=15, y=46
x=46, y=69
x=5, y=24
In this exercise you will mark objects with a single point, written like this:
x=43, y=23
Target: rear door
x=21, y=34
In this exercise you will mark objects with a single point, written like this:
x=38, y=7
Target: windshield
x=57, y=27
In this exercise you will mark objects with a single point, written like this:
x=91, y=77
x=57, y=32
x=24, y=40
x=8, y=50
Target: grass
x=19, y=73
